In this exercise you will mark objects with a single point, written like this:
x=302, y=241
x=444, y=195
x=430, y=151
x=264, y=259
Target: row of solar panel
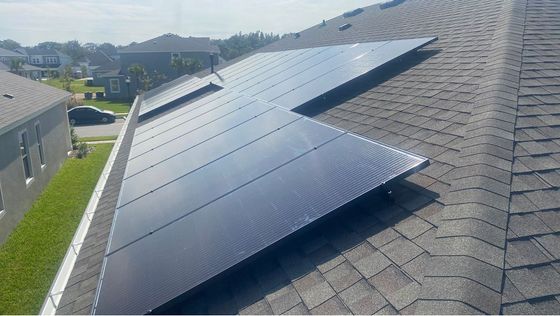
x=292, y=78
x=218, y=184
x=220, y=179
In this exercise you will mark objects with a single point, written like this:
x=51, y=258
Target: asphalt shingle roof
x=29, y=98
x=171, y=43
x=475, y=232
x=8, y=53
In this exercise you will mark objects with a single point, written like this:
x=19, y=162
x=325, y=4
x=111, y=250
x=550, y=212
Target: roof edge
x=465, y=270
x=52, y=300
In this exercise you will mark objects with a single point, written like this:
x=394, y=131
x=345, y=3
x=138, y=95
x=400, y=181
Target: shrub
x=83, y=150
x=74, y=138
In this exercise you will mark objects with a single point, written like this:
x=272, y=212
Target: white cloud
x=33, y=21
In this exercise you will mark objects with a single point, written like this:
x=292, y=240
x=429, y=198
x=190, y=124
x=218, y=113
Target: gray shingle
x=362, y=299
x=333, y=306
x=535, y=282
x=313, y=289
x=342, y=276
x=401, y=250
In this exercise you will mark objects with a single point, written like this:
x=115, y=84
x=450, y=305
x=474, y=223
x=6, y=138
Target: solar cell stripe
x=209, y=110
x=195, y=137
x=205, y=184
x=259, y=78
x=183, y=110
x=231, y=81
x=318, y=70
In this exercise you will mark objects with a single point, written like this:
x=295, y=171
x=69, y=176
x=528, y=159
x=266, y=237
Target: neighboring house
x=34, y=142
x=109, y=68
x=91, y=62
x=476, y=232
x=46, y=59
x=6, y=56
x=156, y=55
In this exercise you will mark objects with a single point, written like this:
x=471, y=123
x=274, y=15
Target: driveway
x=99, y=129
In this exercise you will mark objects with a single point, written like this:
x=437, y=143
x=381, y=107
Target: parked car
x=90, y=114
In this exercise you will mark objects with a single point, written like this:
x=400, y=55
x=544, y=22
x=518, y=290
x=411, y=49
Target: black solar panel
x=169, y=240
x=292, y=78
x=218, y=180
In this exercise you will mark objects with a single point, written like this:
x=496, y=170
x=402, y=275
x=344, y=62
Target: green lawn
x=115, y=106
x=33, y=252
x=97, y=138
x=78, y=86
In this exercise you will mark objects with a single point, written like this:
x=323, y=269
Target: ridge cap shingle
x=473, y=200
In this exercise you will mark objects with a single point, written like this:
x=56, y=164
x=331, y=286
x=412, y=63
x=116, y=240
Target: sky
x=120, y=22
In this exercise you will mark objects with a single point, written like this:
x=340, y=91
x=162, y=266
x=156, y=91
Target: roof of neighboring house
x=478, y=231
x=38, y=51
x=98, y=58
x=110, y=66
x=8, y=53
x=171, y=43
x=30, y=98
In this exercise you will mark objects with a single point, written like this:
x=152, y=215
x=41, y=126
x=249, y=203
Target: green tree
x=185, y=65
x=67, y=79
x=49, y=45
x=138, y=71
x=84, y=71
x=73, y=49
x=16, y=65
x=9, y=44
x=240, y=43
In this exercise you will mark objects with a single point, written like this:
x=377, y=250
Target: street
x=99, y=129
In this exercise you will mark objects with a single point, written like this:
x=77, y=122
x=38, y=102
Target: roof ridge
x=459, y=234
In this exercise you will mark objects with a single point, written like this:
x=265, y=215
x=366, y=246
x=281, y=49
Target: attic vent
x=344, y=27
x=8, y=96
x=389, y=4
x=353, y=12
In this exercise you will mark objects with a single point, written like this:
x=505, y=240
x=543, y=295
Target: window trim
x=29, y=179
x=118, y=85
x=40, y=144
x=2, y=203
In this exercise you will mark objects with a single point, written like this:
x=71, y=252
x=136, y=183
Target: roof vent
x=297, y=35
x=8, y=96
x=353, y=12
x=324, y=23
x=390, y=4
x=344, y=27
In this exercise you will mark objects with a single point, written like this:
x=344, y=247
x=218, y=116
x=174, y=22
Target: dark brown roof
x=475, y=232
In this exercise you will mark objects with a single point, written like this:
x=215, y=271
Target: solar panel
x=174, y=238
x=291, y=78
x=220, y=179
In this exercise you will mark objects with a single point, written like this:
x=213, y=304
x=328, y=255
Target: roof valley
x=471, y=238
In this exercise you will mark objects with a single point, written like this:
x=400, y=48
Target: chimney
x=211, y=63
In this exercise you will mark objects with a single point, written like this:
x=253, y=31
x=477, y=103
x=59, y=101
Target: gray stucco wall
x=18, y=195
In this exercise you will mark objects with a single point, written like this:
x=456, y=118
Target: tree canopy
x=9, y=44
x=240, y=43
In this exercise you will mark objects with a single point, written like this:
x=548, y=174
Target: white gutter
x=52, y=300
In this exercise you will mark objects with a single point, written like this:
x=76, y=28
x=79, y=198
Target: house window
x=51, y=60
x=40, y=144
x=24, y=152
x=35, y=60
x=115, y=85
